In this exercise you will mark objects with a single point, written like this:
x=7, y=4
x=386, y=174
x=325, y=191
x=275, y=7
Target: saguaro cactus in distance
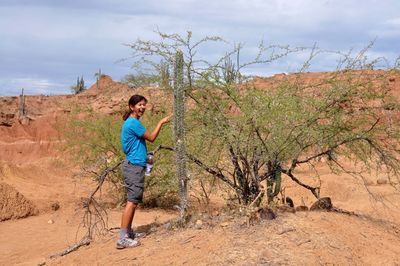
x=179, y=131
x=22, y=110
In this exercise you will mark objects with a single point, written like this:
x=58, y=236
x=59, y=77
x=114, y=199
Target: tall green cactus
x=179, y=131
x=274, y=183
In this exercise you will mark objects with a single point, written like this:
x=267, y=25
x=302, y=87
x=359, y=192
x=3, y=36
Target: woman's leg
x=134, y=183
x=127, y=216
x=124, y=240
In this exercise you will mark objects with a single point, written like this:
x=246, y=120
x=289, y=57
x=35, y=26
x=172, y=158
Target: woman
x=133, y=139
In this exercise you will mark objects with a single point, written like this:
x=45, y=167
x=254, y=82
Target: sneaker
x=127, y=243
x=133, y=235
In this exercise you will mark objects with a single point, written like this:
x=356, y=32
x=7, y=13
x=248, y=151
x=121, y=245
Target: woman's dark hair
x=132, y=102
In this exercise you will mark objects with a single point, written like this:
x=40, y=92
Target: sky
x=46, y=44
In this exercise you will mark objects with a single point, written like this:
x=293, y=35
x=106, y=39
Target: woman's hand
x=166, y=119
x=153, y=135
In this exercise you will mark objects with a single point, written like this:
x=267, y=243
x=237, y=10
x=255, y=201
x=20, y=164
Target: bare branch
x=314, y=190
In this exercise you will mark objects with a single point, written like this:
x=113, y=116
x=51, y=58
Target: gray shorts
x=134, y=181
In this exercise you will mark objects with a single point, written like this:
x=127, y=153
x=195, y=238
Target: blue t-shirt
x=133, y=143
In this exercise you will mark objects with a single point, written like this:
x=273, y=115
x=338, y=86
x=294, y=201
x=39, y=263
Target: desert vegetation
x=79, y=86
x=249, y=138
x=253, y=135
x=241, y=149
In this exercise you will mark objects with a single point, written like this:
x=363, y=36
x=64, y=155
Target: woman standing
x=133, y=139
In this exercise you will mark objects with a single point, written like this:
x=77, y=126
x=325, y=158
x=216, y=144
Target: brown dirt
x=32, y=164
x=13, y=204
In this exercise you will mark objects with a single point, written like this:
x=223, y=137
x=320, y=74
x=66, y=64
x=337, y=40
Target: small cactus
x=80, y=86
x=22, y=109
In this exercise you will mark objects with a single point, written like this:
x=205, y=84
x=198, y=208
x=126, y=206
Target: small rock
x=42, y=262
x=50, y=221
x=322, y=204
x=381, y=181
x=215, y=213
x=24, y=120
x=199, y=224
x=266, y=214
x=224, y=224
x=55, y=206
x=289, y=202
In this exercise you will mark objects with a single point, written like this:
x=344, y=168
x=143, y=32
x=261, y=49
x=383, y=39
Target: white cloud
x=31, y=86
x=59, y=40
x=38, y=83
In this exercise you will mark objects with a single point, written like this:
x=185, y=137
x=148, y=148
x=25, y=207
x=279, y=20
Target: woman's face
x=138, y=109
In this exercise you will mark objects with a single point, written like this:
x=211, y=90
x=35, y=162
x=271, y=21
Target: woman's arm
x=153, y=135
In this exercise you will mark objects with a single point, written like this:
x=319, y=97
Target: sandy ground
x=291, y=239
x=32, y=240
x=306, y=238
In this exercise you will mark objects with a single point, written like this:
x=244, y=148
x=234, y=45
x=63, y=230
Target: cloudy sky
x=46, y=44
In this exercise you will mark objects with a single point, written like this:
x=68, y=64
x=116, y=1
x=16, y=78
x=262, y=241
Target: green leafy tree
x=244, y=135
x=269, y=133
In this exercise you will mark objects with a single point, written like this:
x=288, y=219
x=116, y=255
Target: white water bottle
x=149, y=164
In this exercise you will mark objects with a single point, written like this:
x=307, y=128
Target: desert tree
x=262, y=134
x=199, y=74
x=246, y=136
x=156, y=57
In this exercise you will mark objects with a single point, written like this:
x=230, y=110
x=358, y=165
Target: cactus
x=274, y=183
x=229, y=71
x=79, y=87
x=98, y=76
x=22, y=109
x=179, y=132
